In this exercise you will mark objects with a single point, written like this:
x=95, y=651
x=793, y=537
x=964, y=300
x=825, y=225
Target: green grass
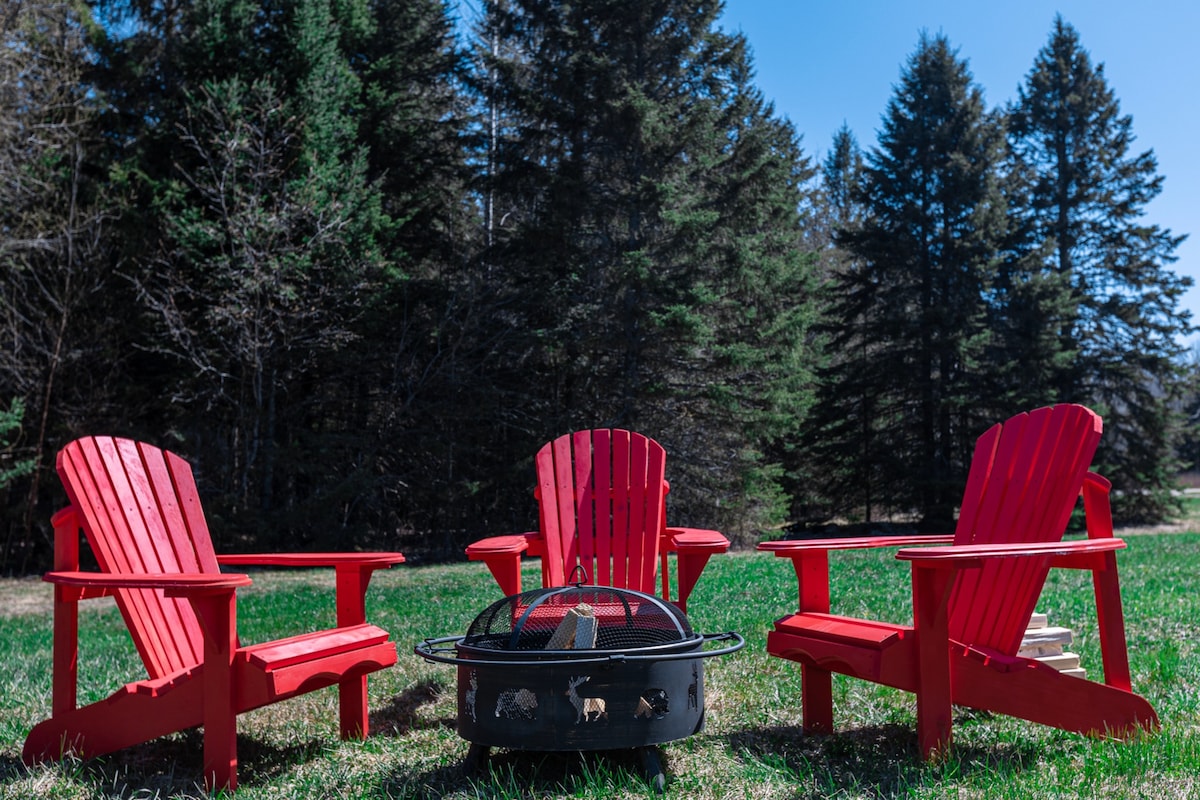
x=752, y=746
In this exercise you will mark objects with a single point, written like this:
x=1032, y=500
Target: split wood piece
x=1063, y=662
x=577, y=631
x=1049, y=641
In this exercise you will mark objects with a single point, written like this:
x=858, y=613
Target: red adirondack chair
x=139, y=509
x=973, y=597
x=602, y=505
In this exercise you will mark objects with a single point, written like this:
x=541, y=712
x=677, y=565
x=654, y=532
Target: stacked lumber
x=1047, y=644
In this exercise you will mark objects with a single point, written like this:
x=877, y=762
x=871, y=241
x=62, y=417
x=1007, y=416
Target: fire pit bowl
x=579, y=668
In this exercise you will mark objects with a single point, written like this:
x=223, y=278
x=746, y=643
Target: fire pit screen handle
x=738, y=644
x=440, y=650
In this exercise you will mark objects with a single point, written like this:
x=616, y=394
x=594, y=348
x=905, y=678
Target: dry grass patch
x=33, y=597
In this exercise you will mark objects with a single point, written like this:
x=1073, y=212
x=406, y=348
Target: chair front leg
x=689, y=566
x=65, y=674
x=217, y=611
x=816, y=699
x=65, y=678
x=816, y=684
x=931, y=587
x=352, y=581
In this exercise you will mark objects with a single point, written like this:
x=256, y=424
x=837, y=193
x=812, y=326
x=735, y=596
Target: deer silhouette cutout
x=585, y=707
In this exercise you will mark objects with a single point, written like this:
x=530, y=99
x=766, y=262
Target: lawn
x=752, y=746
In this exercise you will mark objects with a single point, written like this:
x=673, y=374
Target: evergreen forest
x=357, y=260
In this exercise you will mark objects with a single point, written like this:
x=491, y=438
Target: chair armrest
x=507, y=545
x=695, y=540
x=785, y=548
x=810, y=558
x=149, y=580
x=502, y=554
x=173, y=584
x=372, y=560
x=353, y=570
x=974, y=555
x=209, y=594
x=692, y=548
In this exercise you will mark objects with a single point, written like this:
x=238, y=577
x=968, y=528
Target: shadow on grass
x=401, y=715
x=173, y=766
x=875, y=761
x=11, y=768
x=522, y=773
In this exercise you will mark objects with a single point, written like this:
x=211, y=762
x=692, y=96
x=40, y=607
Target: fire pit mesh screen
x=578, y=618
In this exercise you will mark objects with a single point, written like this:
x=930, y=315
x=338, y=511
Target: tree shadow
x=880, y=761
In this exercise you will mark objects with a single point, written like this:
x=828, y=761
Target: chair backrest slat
x=1026, y=477
x=602, y=510
x=586, y=509
x=617, y=527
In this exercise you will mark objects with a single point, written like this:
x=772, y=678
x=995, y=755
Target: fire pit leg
x=652, y=765
x=477, y=758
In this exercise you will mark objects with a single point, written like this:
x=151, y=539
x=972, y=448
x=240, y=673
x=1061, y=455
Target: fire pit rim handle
x=431, y=650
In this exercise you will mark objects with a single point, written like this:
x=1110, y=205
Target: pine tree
x=1028, y=306
x=1122, y=324
x=924, y=258
x=414, y=123
x=841, y=181
x=646, y=227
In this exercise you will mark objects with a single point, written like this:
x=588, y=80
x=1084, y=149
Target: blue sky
x=825, y=62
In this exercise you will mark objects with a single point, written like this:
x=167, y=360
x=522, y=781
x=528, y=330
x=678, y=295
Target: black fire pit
x=579, y=668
